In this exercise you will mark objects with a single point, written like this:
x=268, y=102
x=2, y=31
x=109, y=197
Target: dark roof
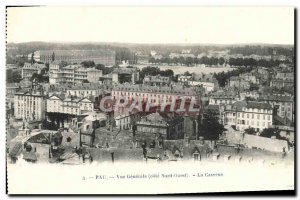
x=282, y=121
x=250, y=104
x=275, y=98
x=213, y=107
x=258, y=105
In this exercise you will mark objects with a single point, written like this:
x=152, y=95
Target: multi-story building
x=153, y=94
x=221, y=100
x=30, y=104
x=285, y=76
x=105, y=57
x=30, y=68
x=184, y=79
x=157, y=80
x=238, y=82
x=68, y=105
x=249, y=77
x=279, y=83
x=251, y=114
x=208, y=86
x=72, y=74
x=86, y=90
x=160, y=124
x=283, y=105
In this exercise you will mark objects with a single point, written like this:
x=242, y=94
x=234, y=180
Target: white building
x=251, y=114
x=221, y=100
x=208, y=86
x=184, y=79
x=72, y=74
x=153, y=94
x=72, y=106
x=86, y=90
x=29, y=105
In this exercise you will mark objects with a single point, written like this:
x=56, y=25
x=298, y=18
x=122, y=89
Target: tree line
x=189, y=61
x=222, y=77
x=153, y=71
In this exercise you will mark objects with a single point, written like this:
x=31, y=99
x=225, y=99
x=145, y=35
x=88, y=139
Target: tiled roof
x=154, y=89
x=86, y=86
x=258, y=105
x=239, y=105
x=275, y=98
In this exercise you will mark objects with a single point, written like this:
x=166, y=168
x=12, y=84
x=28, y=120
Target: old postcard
x=149, y=100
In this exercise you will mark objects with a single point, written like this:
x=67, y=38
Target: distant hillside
x=127, y=48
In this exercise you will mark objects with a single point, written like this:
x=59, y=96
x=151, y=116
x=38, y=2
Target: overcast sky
x=187, y=25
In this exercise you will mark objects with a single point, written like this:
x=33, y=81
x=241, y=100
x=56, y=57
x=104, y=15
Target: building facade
x=30, y=68
x=243, y=115
x=30, y=105
x=105, y=57
x=153, y=94
x=157, y=80
x=72, y=74
x=169, y=128
x=70, y=106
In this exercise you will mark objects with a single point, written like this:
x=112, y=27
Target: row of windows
x=247, y=122
x=26, y=98
x=252, y=116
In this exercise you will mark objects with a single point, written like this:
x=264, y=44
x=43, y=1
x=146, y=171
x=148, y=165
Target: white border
x=112, y=2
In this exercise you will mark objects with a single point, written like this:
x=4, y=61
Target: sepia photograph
x=150, y=99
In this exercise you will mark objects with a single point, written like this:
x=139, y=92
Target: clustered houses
x=169, y=127
x=30, y=104
x=69, y=105
x=72, y=74
x=279, y=83
x=184, y=53
x=105, y=57
x=157, y=80
x=208, y=83
x=283, y=79
x=246, y=114
x=153, y=94
x=30, y=68
x=184, y=79
x=222, y=99
x=162, y=131
x=237, y=82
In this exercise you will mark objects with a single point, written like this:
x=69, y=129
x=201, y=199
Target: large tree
x=210, y=128
x=13, y=76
